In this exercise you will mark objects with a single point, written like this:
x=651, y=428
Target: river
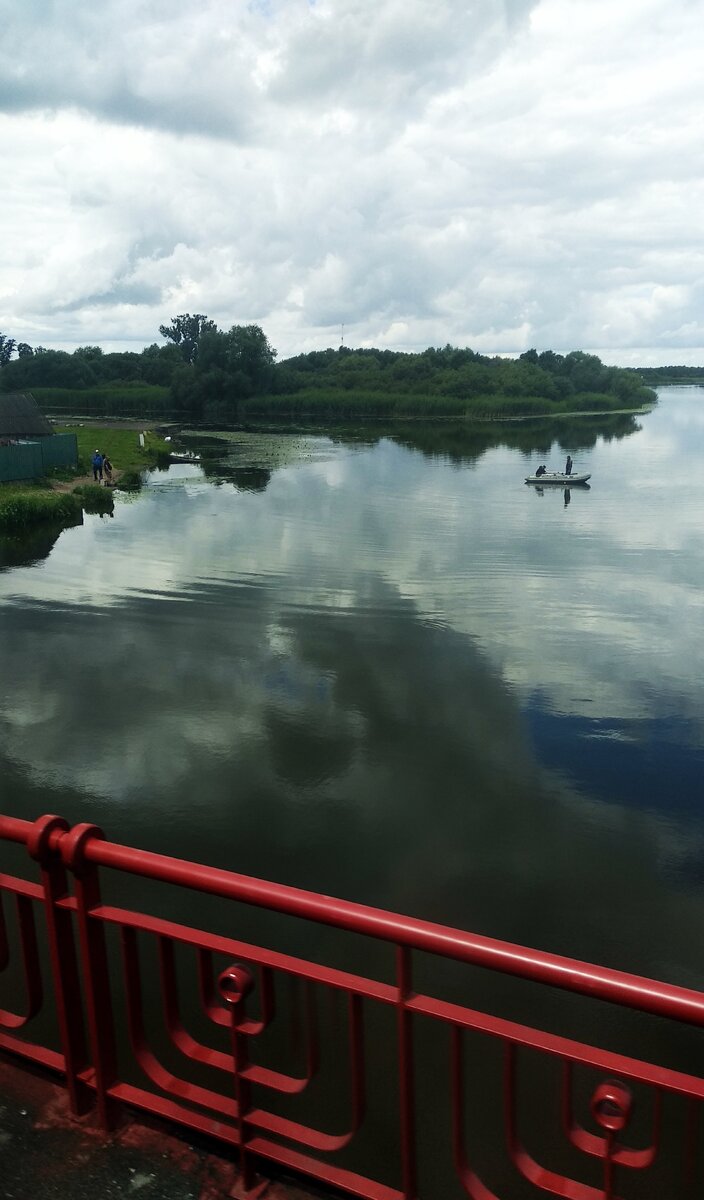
x=382, y=667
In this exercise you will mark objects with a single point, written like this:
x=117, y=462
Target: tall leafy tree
x=249, y=353
x=186, y=331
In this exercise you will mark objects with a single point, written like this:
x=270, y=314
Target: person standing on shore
x=97, y=467
x=107, y=468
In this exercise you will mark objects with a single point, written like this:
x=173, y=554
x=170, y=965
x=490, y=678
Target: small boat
x=183, y=456
x=557, y=477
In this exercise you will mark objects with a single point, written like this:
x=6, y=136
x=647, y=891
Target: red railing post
x=64, y=962
x=235, y=984
x=406, y=1074
x=94, y=957
x=611, y=1108
x=692, y=1123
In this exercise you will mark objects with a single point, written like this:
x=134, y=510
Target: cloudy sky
x=494, y=173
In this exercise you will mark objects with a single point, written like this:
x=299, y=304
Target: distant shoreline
x=284, y=420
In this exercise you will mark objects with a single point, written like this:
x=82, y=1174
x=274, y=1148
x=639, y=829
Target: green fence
x=59, y=450
x=31, y=460
x=21, y=461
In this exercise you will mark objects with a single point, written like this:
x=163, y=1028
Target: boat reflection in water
x=567, y=492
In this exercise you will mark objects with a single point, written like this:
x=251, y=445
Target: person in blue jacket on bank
x=98, y=467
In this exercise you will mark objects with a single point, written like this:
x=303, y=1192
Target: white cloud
x=499, y=175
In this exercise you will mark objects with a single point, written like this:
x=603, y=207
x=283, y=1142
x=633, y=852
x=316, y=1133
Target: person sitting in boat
x=568, y=465
x=541, y=470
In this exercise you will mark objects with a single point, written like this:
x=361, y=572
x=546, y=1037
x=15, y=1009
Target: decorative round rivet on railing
x=38, y=840
x=235, y=984
x=611, y=1105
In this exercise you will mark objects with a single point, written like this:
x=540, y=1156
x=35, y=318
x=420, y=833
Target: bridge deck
x=45, y=1152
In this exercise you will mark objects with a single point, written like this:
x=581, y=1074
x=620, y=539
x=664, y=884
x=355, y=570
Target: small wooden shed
x=21, y=418
x=29, y=447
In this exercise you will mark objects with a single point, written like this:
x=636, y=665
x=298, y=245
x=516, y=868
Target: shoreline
x=284, y=420
x=26, y=503
x=81, y=481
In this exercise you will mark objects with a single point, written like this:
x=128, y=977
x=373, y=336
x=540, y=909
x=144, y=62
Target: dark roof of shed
x=21, y=417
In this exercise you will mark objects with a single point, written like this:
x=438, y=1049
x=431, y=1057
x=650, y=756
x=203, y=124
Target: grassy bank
x=121, y=446
x=23, y=505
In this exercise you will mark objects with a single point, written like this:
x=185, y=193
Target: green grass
x=121, y=446
x=22, y=506
x=94, y=498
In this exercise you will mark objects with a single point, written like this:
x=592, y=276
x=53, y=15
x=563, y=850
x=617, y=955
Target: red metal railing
x=83, y=994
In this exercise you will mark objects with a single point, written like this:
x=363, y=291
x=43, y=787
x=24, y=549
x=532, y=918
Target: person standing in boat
x=568, y=465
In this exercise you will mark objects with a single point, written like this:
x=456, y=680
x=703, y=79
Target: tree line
x=205, y=373
x=671, y=374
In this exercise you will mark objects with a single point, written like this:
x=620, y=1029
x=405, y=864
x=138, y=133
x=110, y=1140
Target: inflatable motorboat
x=559, y=478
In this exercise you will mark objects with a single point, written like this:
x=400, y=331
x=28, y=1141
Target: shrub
x=20, y=508
x=94, y=498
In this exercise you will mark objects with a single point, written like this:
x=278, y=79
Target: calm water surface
x=386, y=669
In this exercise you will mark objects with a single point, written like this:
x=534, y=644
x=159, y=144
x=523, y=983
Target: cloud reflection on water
x=385, y=677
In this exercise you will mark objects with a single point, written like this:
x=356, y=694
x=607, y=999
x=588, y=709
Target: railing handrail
x=568, y=974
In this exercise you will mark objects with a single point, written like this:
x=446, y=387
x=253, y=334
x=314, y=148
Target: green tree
x=186, y=331
x=626, y=385
x=586, y=372
x=47, y=368
x=185, y=393
x=158, y=363
x=250, y=352
x=243, y=354
x=7, y=349
x=550, y=361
